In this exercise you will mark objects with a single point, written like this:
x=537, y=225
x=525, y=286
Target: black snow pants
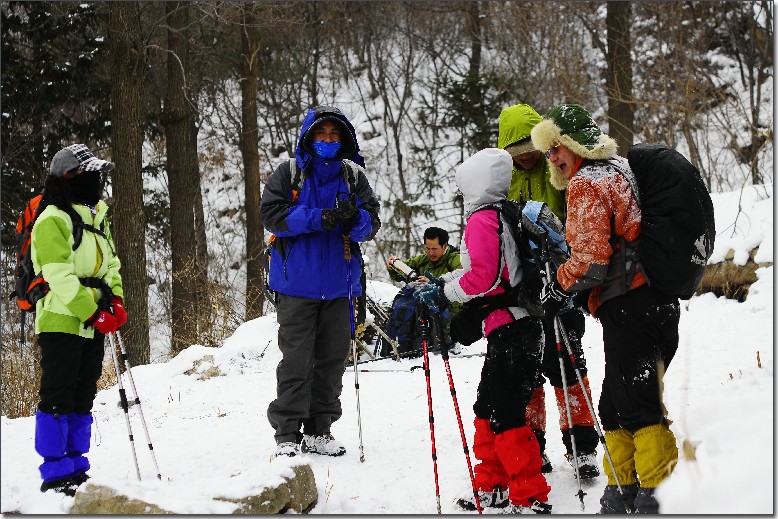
x=640, y=332
x=509, y=374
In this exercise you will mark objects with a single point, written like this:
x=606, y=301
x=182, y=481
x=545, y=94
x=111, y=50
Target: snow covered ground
x=211, y=436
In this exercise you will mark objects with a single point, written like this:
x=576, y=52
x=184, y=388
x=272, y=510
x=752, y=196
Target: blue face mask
x=326, y=150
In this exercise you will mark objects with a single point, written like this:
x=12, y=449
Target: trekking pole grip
x=346, y=247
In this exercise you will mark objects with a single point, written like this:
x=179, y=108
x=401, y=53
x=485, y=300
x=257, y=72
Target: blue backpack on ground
x=403, y=323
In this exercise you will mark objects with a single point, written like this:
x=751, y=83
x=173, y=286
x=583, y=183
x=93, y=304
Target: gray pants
x=314, y=338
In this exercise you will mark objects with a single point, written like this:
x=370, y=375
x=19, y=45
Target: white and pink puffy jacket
x=488, y=251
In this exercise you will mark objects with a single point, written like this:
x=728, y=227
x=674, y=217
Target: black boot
x=64, y=485
x=612, y=501
x=645, y=502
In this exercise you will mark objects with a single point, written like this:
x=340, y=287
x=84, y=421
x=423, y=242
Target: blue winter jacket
x=307, y=260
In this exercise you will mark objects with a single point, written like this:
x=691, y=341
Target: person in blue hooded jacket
x=332, y=205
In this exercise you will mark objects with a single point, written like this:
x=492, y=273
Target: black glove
x=553, y=298
x=329, y=218
x=581, y=300
x=347, y=212
x=435, y=281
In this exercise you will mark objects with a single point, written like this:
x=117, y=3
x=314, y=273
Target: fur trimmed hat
x=572, y=126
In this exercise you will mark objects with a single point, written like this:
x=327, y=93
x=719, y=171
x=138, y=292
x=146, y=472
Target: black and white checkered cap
x=77, y=156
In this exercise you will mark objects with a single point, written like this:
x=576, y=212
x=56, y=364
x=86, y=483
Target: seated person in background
x=439, y=258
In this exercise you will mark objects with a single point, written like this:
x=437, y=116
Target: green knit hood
x=516, y=123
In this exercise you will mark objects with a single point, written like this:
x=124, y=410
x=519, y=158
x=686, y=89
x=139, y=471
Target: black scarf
x=86, y=187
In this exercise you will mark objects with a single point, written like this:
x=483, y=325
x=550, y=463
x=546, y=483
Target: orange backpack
x=29, y=288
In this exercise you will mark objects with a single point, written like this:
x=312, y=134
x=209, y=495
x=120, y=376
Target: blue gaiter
x=326, y=150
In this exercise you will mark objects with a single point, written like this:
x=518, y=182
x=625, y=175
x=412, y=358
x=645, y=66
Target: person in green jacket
x=72, y=247
x=531, y=180
x=440, y=257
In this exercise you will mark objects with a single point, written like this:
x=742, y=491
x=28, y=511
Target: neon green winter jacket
x=68, y=303
x=516, y=123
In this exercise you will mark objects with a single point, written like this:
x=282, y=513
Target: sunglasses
x=553, y=150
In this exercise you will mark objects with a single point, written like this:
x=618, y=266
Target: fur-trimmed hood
x=572, y=126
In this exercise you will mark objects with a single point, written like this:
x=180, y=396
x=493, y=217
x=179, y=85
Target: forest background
x=198, y=102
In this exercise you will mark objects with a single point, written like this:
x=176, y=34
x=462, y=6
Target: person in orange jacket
x=639, y=323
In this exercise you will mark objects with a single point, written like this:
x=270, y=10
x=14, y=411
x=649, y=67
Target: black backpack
x=678, y=227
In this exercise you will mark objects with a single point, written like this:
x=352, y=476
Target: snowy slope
x=211, y=436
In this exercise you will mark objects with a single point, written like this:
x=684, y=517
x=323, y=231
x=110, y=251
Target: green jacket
x=448, y=262
x=516, y=123
x=68, y=303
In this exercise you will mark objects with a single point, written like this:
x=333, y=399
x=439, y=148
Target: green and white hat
x=572, y=126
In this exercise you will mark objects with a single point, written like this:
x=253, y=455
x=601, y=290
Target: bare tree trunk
x=176, y=117
x=619, y=80
x=249, y=145
x=474, y=33
x=127, y=69
x=316, y=58
x=201, y=240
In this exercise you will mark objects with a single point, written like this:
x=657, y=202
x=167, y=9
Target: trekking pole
x=600, y=435
x=424, y=332
x=128, y=369
x=444, y=355
x=125, y=405
x=546, y=259
x=413, y=368
x=347, y=256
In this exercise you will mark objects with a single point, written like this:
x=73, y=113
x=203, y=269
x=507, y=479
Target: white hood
x=485, y=178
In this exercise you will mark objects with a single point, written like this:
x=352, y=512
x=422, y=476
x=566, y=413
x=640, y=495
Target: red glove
x=104, y=322
x=118, y=311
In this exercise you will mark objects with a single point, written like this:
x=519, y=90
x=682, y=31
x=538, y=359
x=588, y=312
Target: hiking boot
x=612, y=502
x=535, y=507
x=645, y=502
x=64, y=485
x=80, y=478
x=546, y=466
x=289, y=449
x=497, y=498
x=587, y=464
x=322, y=444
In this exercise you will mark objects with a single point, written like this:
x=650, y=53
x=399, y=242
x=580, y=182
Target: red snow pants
x=505, y=446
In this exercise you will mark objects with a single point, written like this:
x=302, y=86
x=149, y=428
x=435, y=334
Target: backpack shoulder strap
x=351, y=170
x=297, y=177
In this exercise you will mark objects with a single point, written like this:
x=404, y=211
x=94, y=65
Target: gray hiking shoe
x=497, y=498
x=535, y=507
x=324, y=444
x=587, y=464
x=289, y=449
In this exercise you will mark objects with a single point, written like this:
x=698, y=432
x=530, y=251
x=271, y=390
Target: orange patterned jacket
x=600, y=200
